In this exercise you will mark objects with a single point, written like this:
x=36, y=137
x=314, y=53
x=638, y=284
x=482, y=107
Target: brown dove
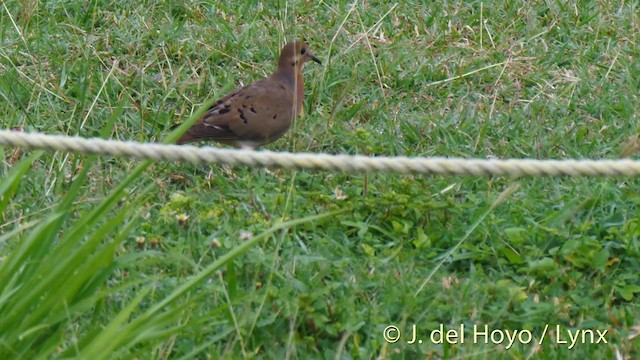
x=261, y=112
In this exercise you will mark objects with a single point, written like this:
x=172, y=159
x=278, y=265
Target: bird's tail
x=185, y=138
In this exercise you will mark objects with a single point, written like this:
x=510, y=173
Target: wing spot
x=224, y=110
x=274, y=116
x=253, y=110
x=244, y=119
x=282, y=87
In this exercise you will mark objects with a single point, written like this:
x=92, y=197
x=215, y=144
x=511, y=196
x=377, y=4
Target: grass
x=105, y=257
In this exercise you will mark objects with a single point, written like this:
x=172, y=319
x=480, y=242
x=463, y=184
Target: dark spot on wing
x=224, y=110
x=282, y=87
x=242, y=117
x=216, y=104
x=275, y=116
x=253, y=110
x=248, y=97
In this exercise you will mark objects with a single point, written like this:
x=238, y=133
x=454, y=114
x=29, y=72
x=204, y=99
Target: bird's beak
x=314, y=58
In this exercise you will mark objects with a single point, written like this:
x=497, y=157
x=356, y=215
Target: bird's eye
x=303, y=51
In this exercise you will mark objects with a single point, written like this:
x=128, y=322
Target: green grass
x=94, y=261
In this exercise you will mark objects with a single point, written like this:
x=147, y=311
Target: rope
x=345, y=163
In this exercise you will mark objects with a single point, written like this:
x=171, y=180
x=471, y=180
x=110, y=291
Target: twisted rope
x=345, y=163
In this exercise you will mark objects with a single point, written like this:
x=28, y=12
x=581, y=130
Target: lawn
x=104, y=257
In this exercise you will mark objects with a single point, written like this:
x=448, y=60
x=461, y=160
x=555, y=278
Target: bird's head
x=295, y=54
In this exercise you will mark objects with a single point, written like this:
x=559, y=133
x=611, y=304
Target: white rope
x=345, y=163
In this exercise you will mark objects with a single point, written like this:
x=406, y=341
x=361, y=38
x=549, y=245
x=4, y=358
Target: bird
x=261, y=112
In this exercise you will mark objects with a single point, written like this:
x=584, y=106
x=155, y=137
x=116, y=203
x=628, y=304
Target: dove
x=261, y=112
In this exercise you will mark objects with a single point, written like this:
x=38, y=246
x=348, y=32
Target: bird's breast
x=299, y=93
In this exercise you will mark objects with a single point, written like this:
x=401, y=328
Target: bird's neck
x=293, y=77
